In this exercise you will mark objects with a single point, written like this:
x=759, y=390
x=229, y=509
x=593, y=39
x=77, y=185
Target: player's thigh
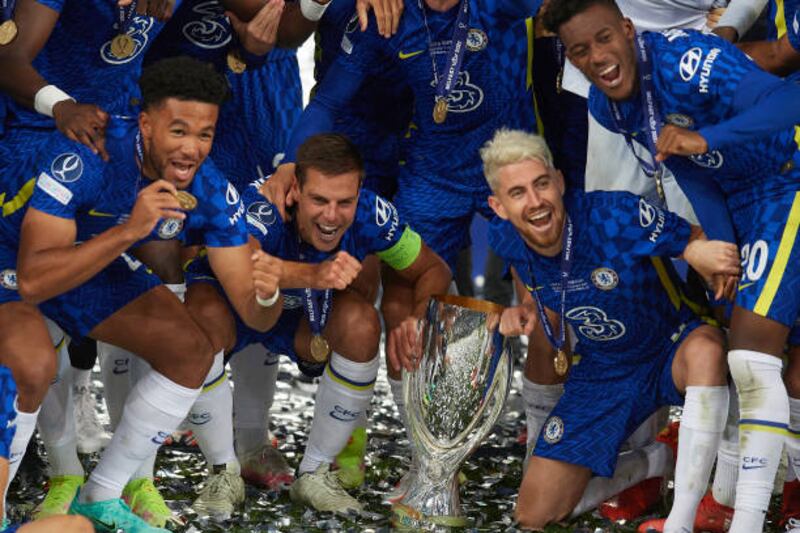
x=27, y=349
x=210, y=309
x=549, y=492
x=700, y=359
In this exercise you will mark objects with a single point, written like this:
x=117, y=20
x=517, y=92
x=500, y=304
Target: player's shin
x=344, y=394
x=726, y=474
x=211, y=417
x=764, y=415
x=153, y=410
x=702, y=423
x=255, y=372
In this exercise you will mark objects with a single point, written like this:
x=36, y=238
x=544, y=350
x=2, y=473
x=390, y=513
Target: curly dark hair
x=559, y=12
x=330, y=153
x=183, y=78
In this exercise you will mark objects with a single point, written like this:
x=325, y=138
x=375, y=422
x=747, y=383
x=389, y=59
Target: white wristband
x=269, y=302
x=47, y=97
x=312, y=10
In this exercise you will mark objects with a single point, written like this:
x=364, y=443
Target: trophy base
x=405, y=518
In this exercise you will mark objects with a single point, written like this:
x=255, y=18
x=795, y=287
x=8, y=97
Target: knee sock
x=26, y=423
x=344, y=393
x=632, y=467
x=539, y=402
x=115, y=370
x=764, y=416
x=57, y=422
x=255, y=374
x=211, y=416
x=726, y=474
x=704, y=413
x=153, y=410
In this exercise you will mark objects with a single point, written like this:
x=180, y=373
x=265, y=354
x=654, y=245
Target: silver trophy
x=452, y=400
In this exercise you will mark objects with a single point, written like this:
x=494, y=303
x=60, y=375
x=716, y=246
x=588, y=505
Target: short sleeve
x=793, y=30
x=263, y=221
x=381, y=230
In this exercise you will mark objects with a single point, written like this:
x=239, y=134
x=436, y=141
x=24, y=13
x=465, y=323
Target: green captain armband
x=404, y=252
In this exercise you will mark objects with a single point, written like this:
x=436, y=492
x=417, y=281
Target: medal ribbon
x=651, y=117
x=8, y=9
x=455, y=55
x=566, y=267
x=125, y=17
x=318, y=307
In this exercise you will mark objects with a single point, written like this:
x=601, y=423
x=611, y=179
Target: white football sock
x=255, y=373
x=764, y=416
x=153, y=410
x=56, y=422
x=344, y=394
x=539, y=402
x=211, y=416
x=115, y=371
x=632, y=467
x=81, y=377
x=26, y=423
x=702, y=422
x=727, y=472
x=793, y=441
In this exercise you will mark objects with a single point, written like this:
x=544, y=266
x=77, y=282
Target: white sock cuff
x=794, y=414
x=707, y=408
x=549, y=394
x=217, y=370
x=358, y=374
x=743, y=362
x=164, y=394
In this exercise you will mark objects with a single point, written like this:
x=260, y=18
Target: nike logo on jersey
x=409, y=55
x=93, y=213
x=743, y=286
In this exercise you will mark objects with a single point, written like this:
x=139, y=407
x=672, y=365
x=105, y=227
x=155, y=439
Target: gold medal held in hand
x=561, y=363
x=235, y=62
x=320, y=350
x=123, y=46
x=187, y=200
x=8, y=30
x=440, y=111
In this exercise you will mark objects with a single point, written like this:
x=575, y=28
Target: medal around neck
x=453, y=400
x=122, y=46
x=561, y=363
x=235, y=62
x=440, y=110
x=320, y=350
x=187, y=200
x=8, y=31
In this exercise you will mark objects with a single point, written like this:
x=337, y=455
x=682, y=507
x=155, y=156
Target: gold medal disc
x=122, y=46
x=561, y=363
x=319, y=348
x=187, y=200
x=440, y=111
x=8, y=30
x=235, y=62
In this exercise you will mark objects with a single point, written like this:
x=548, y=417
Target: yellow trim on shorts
x=764, y=429
x=785, y=248
x=780, y=18
x=672, y=291
x=19, y=201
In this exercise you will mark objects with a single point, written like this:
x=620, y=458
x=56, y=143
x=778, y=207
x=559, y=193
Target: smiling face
x=176, y=138
x=326, y=207
x=599, y=42
x=529, y=195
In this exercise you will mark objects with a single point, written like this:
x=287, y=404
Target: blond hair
x=512, y=146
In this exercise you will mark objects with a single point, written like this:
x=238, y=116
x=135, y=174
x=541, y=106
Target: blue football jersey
x=703, y=83
x=70, y=182
x=780, y=17
x=793, y=29
x=77, y=58
x=621, y=295
x=492, y=90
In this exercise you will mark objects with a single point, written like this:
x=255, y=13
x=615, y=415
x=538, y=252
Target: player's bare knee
x=360, y=333
x=792, y=377
x=33, y=380
x=188, y=358
x=705, y=356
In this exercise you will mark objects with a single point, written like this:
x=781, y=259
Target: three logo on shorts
x=67, y=167
x=8, y=279
x=553, y=430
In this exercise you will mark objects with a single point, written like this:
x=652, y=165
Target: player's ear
x=145, y=124
x=628, y=28
x=497, y=207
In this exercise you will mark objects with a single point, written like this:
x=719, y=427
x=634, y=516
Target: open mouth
x=541, y=219
x=182, y=170
x=327, y=233
x=610, y=76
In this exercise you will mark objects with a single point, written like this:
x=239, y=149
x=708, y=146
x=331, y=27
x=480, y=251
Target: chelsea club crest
x=170, y=228
x=553, y=430
x=8, y=279
x=604, y=278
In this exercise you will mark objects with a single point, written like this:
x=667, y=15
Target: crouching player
x=330, y=329
x=591, y=260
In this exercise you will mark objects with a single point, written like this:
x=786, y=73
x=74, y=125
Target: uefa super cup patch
x=8, y=279
x=553, y=430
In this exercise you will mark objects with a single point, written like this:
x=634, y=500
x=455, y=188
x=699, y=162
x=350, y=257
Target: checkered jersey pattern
x=779, y=19
x=793, y=29
x=8, y=396
x=623, y=301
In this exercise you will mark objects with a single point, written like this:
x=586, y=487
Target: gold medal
x=8, y=30
x=320, y=349
x=440, y=111
x=561, y=363
x=235, y=62
x=123, y=46
x=187, y=200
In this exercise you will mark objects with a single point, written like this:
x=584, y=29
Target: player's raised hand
x=155, y=202
x=679, y=141
x=404, y=345
x=267, y=274
x=338, y=272
x=260, y=34
x=276, y=188
x=716, y=261
x=518, y=320
x=83, y=123
x=387, y=14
